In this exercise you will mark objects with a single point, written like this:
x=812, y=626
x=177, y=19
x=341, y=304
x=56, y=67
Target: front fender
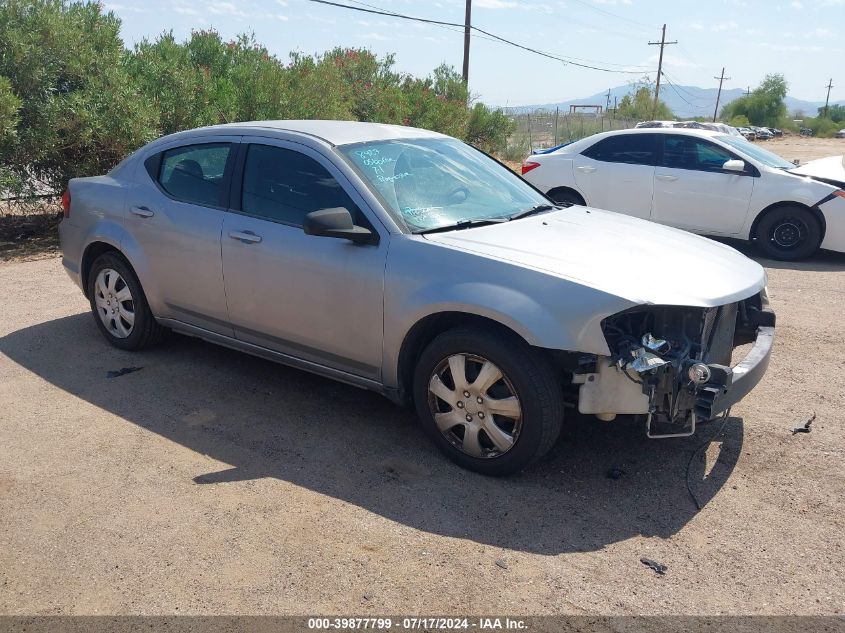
x=424, y=279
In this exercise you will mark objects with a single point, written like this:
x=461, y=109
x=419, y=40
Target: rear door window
x=633, y=149
x=194, y=173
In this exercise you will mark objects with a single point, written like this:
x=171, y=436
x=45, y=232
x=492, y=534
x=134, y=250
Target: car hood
x=830, y=170
x=637, y=260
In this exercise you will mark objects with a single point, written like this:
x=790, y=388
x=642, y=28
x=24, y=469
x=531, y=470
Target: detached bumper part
x=713, y=398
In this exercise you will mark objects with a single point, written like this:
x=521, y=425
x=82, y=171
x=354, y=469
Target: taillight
x=528, y=166
x=840, y=193
x=66, y=202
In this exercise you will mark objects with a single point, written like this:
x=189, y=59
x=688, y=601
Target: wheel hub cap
x=114, y=303
x=789, y=233
x=474, y=405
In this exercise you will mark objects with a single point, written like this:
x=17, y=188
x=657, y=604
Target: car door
x=318, y=299
x=174, y=215
x=693, y=191
x=617, y=173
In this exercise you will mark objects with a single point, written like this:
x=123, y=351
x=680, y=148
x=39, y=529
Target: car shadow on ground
x=823, y=261
x=602, y=483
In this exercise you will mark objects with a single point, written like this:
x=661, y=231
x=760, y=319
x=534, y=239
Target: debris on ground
x=614, y=473
x=806, y=428
x=658, y=568
x=502, y=563
x=122, y=372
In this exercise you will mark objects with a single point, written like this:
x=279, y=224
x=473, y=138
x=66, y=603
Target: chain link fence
x=543, y=129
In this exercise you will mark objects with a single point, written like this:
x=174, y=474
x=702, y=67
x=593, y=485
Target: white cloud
x=724, y=26
x=225, y=8
x=795, y=4
x=496, y=4
x=185, y=10
x=117, y=8
x=375, y=36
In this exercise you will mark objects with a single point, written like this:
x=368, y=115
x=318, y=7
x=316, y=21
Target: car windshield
x=432, y=183
x=756, y=152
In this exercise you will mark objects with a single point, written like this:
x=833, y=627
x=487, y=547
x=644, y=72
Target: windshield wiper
x=462, y=224
x=540, y=208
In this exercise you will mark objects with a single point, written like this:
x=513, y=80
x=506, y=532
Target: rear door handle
x=247, y=237
x=142, y=211
x=666, y=177
x=586, y=169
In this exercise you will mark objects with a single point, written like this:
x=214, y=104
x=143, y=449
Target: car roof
x=579, y=145
x=333, y=132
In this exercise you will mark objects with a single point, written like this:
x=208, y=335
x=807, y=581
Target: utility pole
x=467, y=28
x=662, y=43
x=826, y=101
x=748, y=92
x=721, y=78
x=607, y=107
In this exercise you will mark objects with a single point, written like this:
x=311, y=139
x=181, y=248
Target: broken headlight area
x=673, y=361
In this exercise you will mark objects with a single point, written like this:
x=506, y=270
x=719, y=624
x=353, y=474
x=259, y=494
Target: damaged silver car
x=405, y=262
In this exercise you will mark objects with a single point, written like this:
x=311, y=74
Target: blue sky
x=803, y=39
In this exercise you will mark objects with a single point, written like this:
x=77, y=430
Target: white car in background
x=704, y=182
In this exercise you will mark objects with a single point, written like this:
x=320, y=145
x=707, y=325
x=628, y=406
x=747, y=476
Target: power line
x=616, y=15
x=684, y=99
x=496, y=39
x=475, y=28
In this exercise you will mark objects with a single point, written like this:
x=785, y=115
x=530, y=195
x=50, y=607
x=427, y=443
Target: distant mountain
x=684, y=101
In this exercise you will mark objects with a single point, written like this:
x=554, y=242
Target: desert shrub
x=74, y=101
x=78, y=111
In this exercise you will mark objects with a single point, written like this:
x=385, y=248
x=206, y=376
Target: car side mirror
x=337, y=222
x=734, y=165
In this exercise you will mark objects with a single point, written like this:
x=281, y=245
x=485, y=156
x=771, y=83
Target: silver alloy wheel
x=474, y=405
x=115, y=306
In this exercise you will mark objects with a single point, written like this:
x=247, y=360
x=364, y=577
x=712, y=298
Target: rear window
x=633, y=149
x=194, y=173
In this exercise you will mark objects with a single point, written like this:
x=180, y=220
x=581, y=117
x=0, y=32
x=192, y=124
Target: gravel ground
x=211, y=482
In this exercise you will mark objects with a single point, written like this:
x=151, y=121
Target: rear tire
x=788, y=233
x=566, y=196
x=514, y=410
x=119, y=304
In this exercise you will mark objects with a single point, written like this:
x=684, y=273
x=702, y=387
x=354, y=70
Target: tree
x=835, y=113
x=640, y=105
x=764, y=106
x=77, y=112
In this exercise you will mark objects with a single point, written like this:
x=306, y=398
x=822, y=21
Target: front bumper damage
x=673, y=364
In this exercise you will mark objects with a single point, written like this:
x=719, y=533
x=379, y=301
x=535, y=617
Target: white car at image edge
x=704, y=182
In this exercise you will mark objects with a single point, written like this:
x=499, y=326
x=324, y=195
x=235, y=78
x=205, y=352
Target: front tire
x=119, y=305
x=490, y=402
x=788, y=233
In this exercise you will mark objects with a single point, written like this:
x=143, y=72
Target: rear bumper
x=736, y=382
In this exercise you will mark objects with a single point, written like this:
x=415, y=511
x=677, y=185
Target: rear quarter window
x=194, y=173
x=633, y=149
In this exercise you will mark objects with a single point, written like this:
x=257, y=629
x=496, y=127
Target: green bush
x=74, y=101
x=79, y=112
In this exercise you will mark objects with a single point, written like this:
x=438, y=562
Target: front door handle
x=247, y=237
x=666, y=177
x=142, y=211
x=586, y=169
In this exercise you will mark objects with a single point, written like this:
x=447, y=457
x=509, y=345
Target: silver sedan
x=409, y=263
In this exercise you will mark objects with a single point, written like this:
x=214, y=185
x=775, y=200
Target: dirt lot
x=213, y=482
